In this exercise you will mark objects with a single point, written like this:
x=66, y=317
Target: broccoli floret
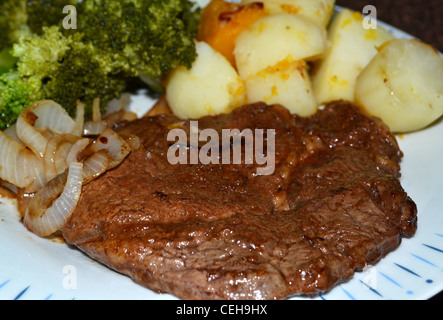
x=13, y=22
x=16, y=93
x=81, y=77
x=19, y=17
x=68, y=69
x=50, y=10
x=141, y=38
x=41, y=55
x=7, y=61
x=115, y=43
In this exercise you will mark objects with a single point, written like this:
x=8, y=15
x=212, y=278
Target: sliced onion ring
x=79, y=119
x=77, y=148
x=52, y=206
x=43, y=115
x=96, y=114
x=30, y=165
x=94, y=128
x=23, y=200
x=117, y=147
x=97, y=125
x=57, y=150
x=12, y=133
x=118, y=104
x=18, y=165
x=46, y=159
x=96, y=165
x=132, y=140
x=117, y=116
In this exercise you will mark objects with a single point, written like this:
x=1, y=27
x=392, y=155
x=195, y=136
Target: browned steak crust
x=333, y=204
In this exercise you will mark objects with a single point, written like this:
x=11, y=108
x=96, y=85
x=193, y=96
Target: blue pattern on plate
x=403, y=266
x=21, y=293
x=4, y=283
x=407, y=270
x=434, y=248
x=347, y=293
x=391, y=280
x=371, y=288
x=423, y=259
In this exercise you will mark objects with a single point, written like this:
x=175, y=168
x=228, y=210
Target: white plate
x=36, y=268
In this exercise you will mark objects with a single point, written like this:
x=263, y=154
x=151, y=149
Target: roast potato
x=212, y=86
x=319, y=11
x=403, y=85
x=275, y=38
x=351, y=48
x=286, y=83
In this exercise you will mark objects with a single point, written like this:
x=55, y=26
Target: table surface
x=422, y=19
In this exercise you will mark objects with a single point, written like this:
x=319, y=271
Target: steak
x=332, y=205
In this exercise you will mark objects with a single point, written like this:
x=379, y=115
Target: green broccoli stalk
x=16, y=94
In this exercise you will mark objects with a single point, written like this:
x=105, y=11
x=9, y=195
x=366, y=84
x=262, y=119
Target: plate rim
x=22, y=290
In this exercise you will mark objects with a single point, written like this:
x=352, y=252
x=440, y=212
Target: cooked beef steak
x=333, y=205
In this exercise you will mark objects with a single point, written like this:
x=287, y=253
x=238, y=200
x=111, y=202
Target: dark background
x=420, y=18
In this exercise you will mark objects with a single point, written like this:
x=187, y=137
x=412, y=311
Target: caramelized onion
x=118, y=104
x=96, y=165
x=77, y=148
x=41, y=116
x=52, y=206
x=12, y=133
x=117, y=147
x=97, y=125
x=23, y=200
x=46, y=160
x=18, y=165
x=117, y=116
x=8, y=186
x=96, y=115
x=114, y=113
x=79, y=119
x=57, y=150
x=31, y=165
x=94, y=128
x=133, y=141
